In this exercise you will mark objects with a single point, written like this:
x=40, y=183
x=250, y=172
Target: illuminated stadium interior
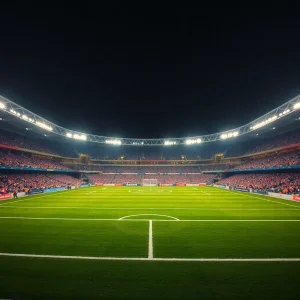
x=183, y=202
x=149, y=152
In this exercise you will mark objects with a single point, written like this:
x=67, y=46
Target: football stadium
x=85, y=216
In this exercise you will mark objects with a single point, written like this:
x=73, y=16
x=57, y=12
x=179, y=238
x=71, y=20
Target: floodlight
x=69, y=135
x=43, y=125
x=2, y=105
x=113, y=142
x=77, y=136
x=297, y=105
x=191, y=141
x=169, y=143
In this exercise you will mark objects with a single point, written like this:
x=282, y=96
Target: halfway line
x=153, y=259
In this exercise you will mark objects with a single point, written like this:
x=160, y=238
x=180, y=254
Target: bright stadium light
x=169, y=143
x=297, y=105
x=2, y=105
x=25, y=117
x=69, y=135
x=43, y=125
x=113, y=142
x=81, y=137
x=284, y=112
x=229, y=135
x=138, y=143
x=193, y=141
x=261, y=124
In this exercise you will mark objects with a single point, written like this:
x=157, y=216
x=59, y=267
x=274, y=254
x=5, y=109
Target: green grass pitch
x=149, y=243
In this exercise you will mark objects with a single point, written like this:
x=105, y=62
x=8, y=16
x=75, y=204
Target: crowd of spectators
x=285, y=183
x=273, y=143
x=161, y=178
x=277, y=160
x=36, y=144
x=24, y=161
x=137, y=169
x=27, y=182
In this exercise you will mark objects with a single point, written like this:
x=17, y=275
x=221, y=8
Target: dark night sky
x=149, y=71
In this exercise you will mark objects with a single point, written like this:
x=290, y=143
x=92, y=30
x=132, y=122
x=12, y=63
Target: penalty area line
x=49, y=256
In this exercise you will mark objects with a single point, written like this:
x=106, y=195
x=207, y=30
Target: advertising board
x=296, y=198
x=54, y=190
x=242, y=190
x=36, y=191
x=281, y=196
x=5, y=196
x=259, y=192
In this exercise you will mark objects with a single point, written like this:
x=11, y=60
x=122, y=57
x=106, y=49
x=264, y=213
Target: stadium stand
x=276, y=160
x=21, y=160
x=286, y=183
x=40, y=145
x=40, y=181
x=130, y=164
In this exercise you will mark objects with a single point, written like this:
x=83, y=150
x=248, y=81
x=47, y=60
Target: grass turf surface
x=213, y=223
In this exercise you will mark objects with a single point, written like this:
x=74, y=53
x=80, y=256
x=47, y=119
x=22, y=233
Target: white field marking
x=91, y=192
x=156, y=220
x=249, y=196
x=195, y=189
x=150, y=191
x=149, y=215
x=150, y=243
x=204, y=193
x=24, y=199
x=148, y=208
x=104, y=188
x=153, y=259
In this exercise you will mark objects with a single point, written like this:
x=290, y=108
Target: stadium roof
x=276, y=116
